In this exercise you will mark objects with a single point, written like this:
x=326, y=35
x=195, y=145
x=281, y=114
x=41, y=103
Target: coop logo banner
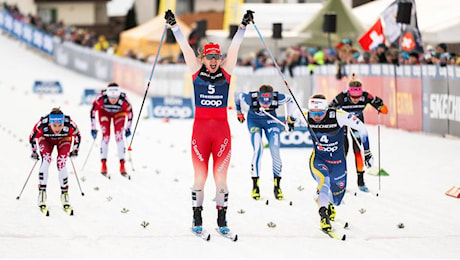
x=89, y=95
x=47, y=87
x=27, y=33
x=299, y=138
x=171, y=107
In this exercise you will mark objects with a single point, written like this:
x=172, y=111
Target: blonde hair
x=319, y=96
x=354, y=82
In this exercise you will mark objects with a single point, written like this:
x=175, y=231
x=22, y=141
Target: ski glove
x=368, y=159
x=247, y=18
x=74, y=153
x=290, y=123
x=383, y=109
x=94, y=133
x=240, y=117
x=35, y=156
x=170, y=18
x=127, y=132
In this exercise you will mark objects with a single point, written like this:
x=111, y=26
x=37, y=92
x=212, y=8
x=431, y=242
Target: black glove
x=94, y=133
x=35, y=156
x=368, y=159
x=240, y=117
x=127, y=132
x=74, y=153
x=290, y=123
x=169, y=17
x=248, y=17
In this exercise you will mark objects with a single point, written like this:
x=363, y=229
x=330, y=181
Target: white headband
x=113, y=92
x=317, y=103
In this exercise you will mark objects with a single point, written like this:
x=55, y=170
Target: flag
x=373, y=37
x=411, y=39
x=392, y=29
x=165, y=5
x=232, y=13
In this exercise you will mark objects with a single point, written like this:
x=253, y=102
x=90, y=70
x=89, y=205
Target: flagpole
x=400, y=39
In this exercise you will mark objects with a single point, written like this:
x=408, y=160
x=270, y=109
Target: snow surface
x=422, y=167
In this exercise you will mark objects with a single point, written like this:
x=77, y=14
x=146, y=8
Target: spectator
x=374, y=59
x=366, y=57
x=413, y=58
x=292, y=60
x=102, y=44
x=441, y=48
x=381, y=50
x=330, y=56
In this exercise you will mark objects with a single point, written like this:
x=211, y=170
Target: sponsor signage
x=47, y=87
x=299, y=138
x=25, y=32
x=89, y=95
x=171, y=107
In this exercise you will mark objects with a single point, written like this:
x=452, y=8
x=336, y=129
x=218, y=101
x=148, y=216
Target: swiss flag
x=408, y=42
x=373, y=37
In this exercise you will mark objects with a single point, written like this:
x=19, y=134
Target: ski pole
x=286, y=128
x=130, y=158
x=148, y=84
x=285, y=83
x=27, y=180
x=89, y=152
x=76, y=176
x=378, y=143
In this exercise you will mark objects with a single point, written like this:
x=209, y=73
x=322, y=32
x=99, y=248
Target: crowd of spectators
x=342, y=53
x=83, y=37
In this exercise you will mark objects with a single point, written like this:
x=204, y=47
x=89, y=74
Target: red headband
x=211, y=47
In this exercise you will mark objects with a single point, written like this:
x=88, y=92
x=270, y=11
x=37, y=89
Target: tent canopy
x=144, y=39
x=347, y=25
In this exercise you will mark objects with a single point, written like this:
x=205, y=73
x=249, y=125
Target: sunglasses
x=213, y=56
x=355, y=97
x=317, y=113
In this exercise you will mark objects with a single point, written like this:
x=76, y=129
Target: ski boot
x=361, y=184
x=331, y=211
x=123, y=169
x=325, y=223
x=65, y=201
x=222, y=220
x=104, y=167
x=197, y=220
x=255, y=188
x=277, y=188
x=65, y=198
x=41, y=195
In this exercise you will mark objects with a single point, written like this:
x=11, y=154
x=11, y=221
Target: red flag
x=408, y=42
x=373, y=37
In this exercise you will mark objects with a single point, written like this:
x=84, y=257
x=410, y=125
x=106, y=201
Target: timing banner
x=171, y=107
